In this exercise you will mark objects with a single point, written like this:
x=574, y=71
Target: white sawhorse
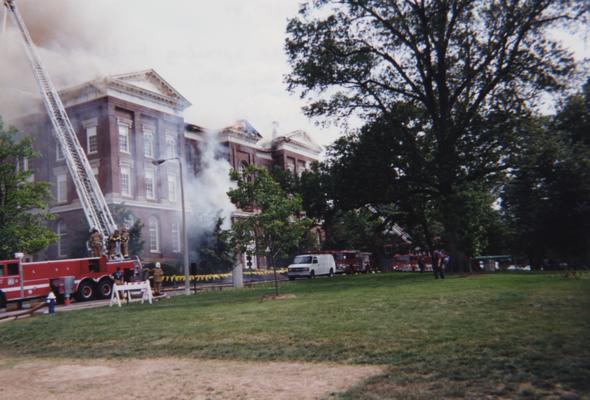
x=143, y=287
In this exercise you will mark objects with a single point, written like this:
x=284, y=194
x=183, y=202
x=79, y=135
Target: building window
x=61, y=239
x=149, y=185
x=59, y=154
x=126, y=181
x=22, y=164
x=301, y=167
x=171, y=151
x=172, y=187
x=124, y=138
x=154, y=235
x=62, y=188
x=176, y=237
x=291, y=165
x=91, y=140
x=148, y=142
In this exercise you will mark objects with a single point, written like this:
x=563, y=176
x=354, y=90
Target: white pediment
x=150, y=83
x=303, y=138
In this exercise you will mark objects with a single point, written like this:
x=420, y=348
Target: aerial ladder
x=89, y=193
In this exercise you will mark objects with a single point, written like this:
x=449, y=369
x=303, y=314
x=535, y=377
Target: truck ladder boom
x=91, y=198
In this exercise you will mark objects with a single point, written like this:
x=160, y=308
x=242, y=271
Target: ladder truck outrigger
x=89, y=274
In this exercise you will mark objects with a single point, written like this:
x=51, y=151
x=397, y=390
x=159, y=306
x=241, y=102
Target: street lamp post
x=187, y=288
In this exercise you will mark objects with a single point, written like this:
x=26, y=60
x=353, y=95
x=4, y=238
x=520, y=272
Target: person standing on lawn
x=421, y=264
x=437, y=267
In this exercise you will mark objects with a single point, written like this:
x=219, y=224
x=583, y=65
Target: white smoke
x=206, y=193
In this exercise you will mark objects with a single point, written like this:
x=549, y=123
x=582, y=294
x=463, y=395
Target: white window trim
x=156, y=248
x=88, y=136
x=59, y=154
x=89, y=124
x=148, y=131
x=126, y=139
x=172, y=177
x=61, y=196
x=175, y=235
x=61, y=232
x=171, y=138
x=130, y=182
x=150, y=173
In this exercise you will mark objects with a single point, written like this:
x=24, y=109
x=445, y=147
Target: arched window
x=243, y=166
x=154, y=234
x=61, y=232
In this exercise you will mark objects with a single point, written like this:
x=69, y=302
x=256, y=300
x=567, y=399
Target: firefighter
x=118, y=279
x=114, y=244
x=158, y=278
x=95, y=243
x=125, y=242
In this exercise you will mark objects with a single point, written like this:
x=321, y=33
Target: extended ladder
x=91, y=198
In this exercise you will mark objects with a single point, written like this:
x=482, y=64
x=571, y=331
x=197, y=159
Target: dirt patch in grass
x=286, y=296
x=170, y=378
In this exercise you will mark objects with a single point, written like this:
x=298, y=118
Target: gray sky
x=225, y=56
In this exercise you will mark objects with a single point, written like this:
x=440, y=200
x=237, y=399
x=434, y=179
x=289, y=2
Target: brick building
x=124, y=123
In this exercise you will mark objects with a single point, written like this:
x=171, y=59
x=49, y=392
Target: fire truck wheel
x=2, y=300
x=105, y=288
x=85, y=291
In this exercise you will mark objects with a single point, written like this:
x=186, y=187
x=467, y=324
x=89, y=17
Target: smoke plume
x=206, y=193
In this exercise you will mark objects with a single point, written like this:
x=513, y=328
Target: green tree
x=216, y=252
x=275, y=226
x=23, y=202
x=547, y=198
x=447, y=80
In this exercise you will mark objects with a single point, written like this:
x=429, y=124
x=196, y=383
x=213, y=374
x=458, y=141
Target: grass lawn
x=499, y=335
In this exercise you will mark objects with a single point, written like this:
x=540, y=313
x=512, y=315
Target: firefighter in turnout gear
x=158, y=278
x=125, y=242
x=95, y=243
x=114, y=244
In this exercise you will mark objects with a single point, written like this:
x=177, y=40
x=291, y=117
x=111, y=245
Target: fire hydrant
x=51, y=302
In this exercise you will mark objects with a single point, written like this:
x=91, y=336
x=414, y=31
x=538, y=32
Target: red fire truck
x=89, y=277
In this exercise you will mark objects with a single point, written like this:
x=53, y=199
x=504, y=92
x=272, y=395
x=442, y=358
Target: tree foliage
x=216, y=253
x=275, y=226
x=547, y=199
x=23, y=202
x=441, y=86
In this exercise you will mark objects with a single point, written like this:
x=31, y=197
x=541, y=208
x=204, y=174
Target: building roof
x=243, y=128
x=145, y=85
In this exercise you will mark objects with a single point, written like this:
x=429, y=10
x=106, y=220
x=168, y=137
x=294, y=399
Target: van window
x=12, y=269
x=315, y=261
x=302, y=260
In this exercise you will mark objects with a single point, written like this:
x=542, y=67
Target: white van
x=311, y=265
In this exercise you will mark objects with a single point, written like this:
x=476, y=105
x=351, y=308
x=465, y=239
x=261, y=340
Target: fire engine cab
x=90, y=278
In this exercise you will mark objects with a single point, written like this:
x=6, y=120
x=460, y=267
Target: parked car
x=311, y=265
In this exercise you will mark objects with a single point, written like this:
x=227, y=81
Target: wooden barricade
x=130, y=288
